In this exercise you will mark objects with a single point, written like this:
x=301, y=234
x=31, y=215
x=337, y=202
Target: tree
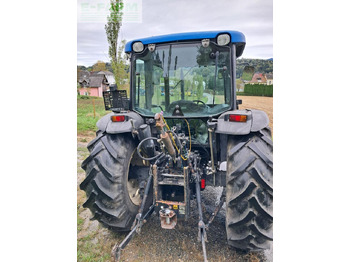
x=99, y=66
x=114, y=22
x=200, y=88
x=120, y=67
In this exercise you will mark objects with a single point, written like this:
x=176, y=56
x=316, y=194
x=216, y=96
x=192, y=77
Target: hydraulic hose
x=177, y=139
x=139, y=146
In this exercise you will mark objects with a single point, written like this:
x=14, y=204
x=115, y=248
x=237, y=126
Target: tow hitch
x=173, y=176
x=138, y=223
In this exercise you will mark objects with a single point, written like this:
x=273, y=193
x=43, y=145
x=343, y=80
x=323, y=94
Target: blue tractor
x=160, y=147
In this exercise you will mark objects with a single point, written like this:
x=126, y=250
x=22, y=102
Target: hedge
x=258, y=90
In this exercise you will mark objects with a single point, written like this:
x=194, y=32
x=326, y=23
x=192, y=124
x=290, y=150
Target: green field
x=85, y=117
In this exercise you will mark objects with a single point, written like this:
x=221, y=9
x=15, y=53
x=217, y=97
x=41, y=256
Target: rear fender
x=105, y=124
x=256, y=120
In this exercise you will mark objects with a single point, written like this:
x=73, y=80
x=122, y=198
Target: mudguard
x=256, y=120
x=105, y=124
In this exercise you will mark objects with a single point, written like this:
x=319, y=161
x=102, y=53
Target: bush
x=258, y=90
x=83, y=97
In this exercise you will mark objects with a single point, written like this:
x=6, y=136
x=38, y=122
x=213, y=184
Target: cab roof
x=236, y=37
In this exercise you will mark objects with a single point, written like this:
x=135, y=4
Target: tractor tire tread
x=106, y=178
x=249, y=191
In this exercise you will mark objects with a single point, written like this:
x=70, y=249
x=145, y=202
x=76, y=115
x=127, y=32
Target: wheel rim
x=133, y=185
x=134, y=192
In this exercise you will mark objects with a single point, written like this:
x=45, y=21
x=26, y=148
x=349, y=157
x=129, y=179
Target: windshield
x=182, y=80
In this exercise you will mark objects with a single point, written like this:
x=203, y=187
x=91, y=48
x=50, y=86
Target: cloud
x=251, y=17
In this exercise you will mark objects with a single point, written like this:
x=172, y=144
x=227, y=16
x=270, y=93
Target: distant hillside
x=260, y=65
x=89, y=68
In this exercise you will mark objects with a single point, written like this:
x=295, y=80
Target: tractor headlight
x=223, y=39
x=137, y=47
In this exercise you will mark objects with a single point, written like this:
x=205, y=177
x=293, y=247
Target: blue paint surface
x=236, y=37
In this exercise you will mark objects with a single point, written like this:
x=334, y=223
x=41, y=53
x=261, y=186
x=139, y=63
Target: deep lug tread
x=109, y=148
x=241, y=169
x=256, y=174
x=249, y=191
x=105, y=184
x=104, y=190
x=236, y=148
x=89, y=202
x=245, y=192
x=241, y=238
x=254, y=202
x=94, y=152
x=109, y=211
x=267, y=140
x=88, y=179
x=107, y=172
x=254, y=245
x=91, y=144
x=258, y=231
x=263, y=156
x=243, y=219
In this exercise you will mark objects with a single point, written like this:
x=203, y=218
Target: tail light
x=202, y=183
x=118, y=118
x=237, y=118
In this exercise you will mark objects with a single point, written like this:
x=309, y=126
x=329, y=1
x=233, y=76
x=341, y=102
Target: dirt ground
x=155, y=243
x=258, y=102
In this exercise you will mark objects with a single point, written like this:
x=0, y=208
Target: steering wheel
x=186, y=106
x=199, y=101
x=154, y=106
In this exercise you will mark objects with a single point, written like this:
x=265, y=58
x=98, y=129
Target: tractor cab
x=184, y=75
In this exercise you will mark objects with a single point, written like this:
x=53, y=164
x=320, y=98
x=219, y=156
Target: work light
x=223, y=39
x=137, y=47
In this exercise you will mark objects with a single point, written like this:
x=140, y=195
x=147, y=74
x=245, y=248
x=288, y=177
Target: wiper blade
x=185, y=75
x=216, y=73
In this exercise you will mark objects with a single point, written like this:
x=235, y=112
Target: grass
x=89, y=245
x=85, y=117
x=88, y=251
x=83, y=149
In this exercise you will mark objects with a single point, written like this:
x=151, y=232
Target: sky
x=254, y=18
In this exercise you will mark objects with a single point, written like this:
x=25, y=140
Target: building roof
x=105, y=73
x=83, y=75
x=236, y=37
x=109, y=76
x=258, y=78
x=110, y=79
x=96, y=80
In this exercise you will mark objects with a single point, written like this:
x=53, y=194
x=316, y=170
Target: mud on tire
x=107, y=169
x=249, y=191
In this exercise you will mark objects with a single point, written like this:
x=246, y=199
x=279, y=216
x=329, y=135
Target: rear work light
x=237, y=118
x=118, y=118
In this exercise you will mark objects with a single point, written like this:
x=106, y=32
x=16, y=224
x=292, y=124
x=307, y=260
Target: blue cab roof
x=236, y=37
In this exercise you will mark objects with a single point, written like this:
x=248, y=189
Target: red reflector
x=238, y=118
x=202, y=183
x=118, y=118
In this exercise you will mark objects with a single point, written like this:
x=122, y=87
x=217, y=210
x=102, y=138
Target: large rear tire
x=249, y=191
x=109, y=187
